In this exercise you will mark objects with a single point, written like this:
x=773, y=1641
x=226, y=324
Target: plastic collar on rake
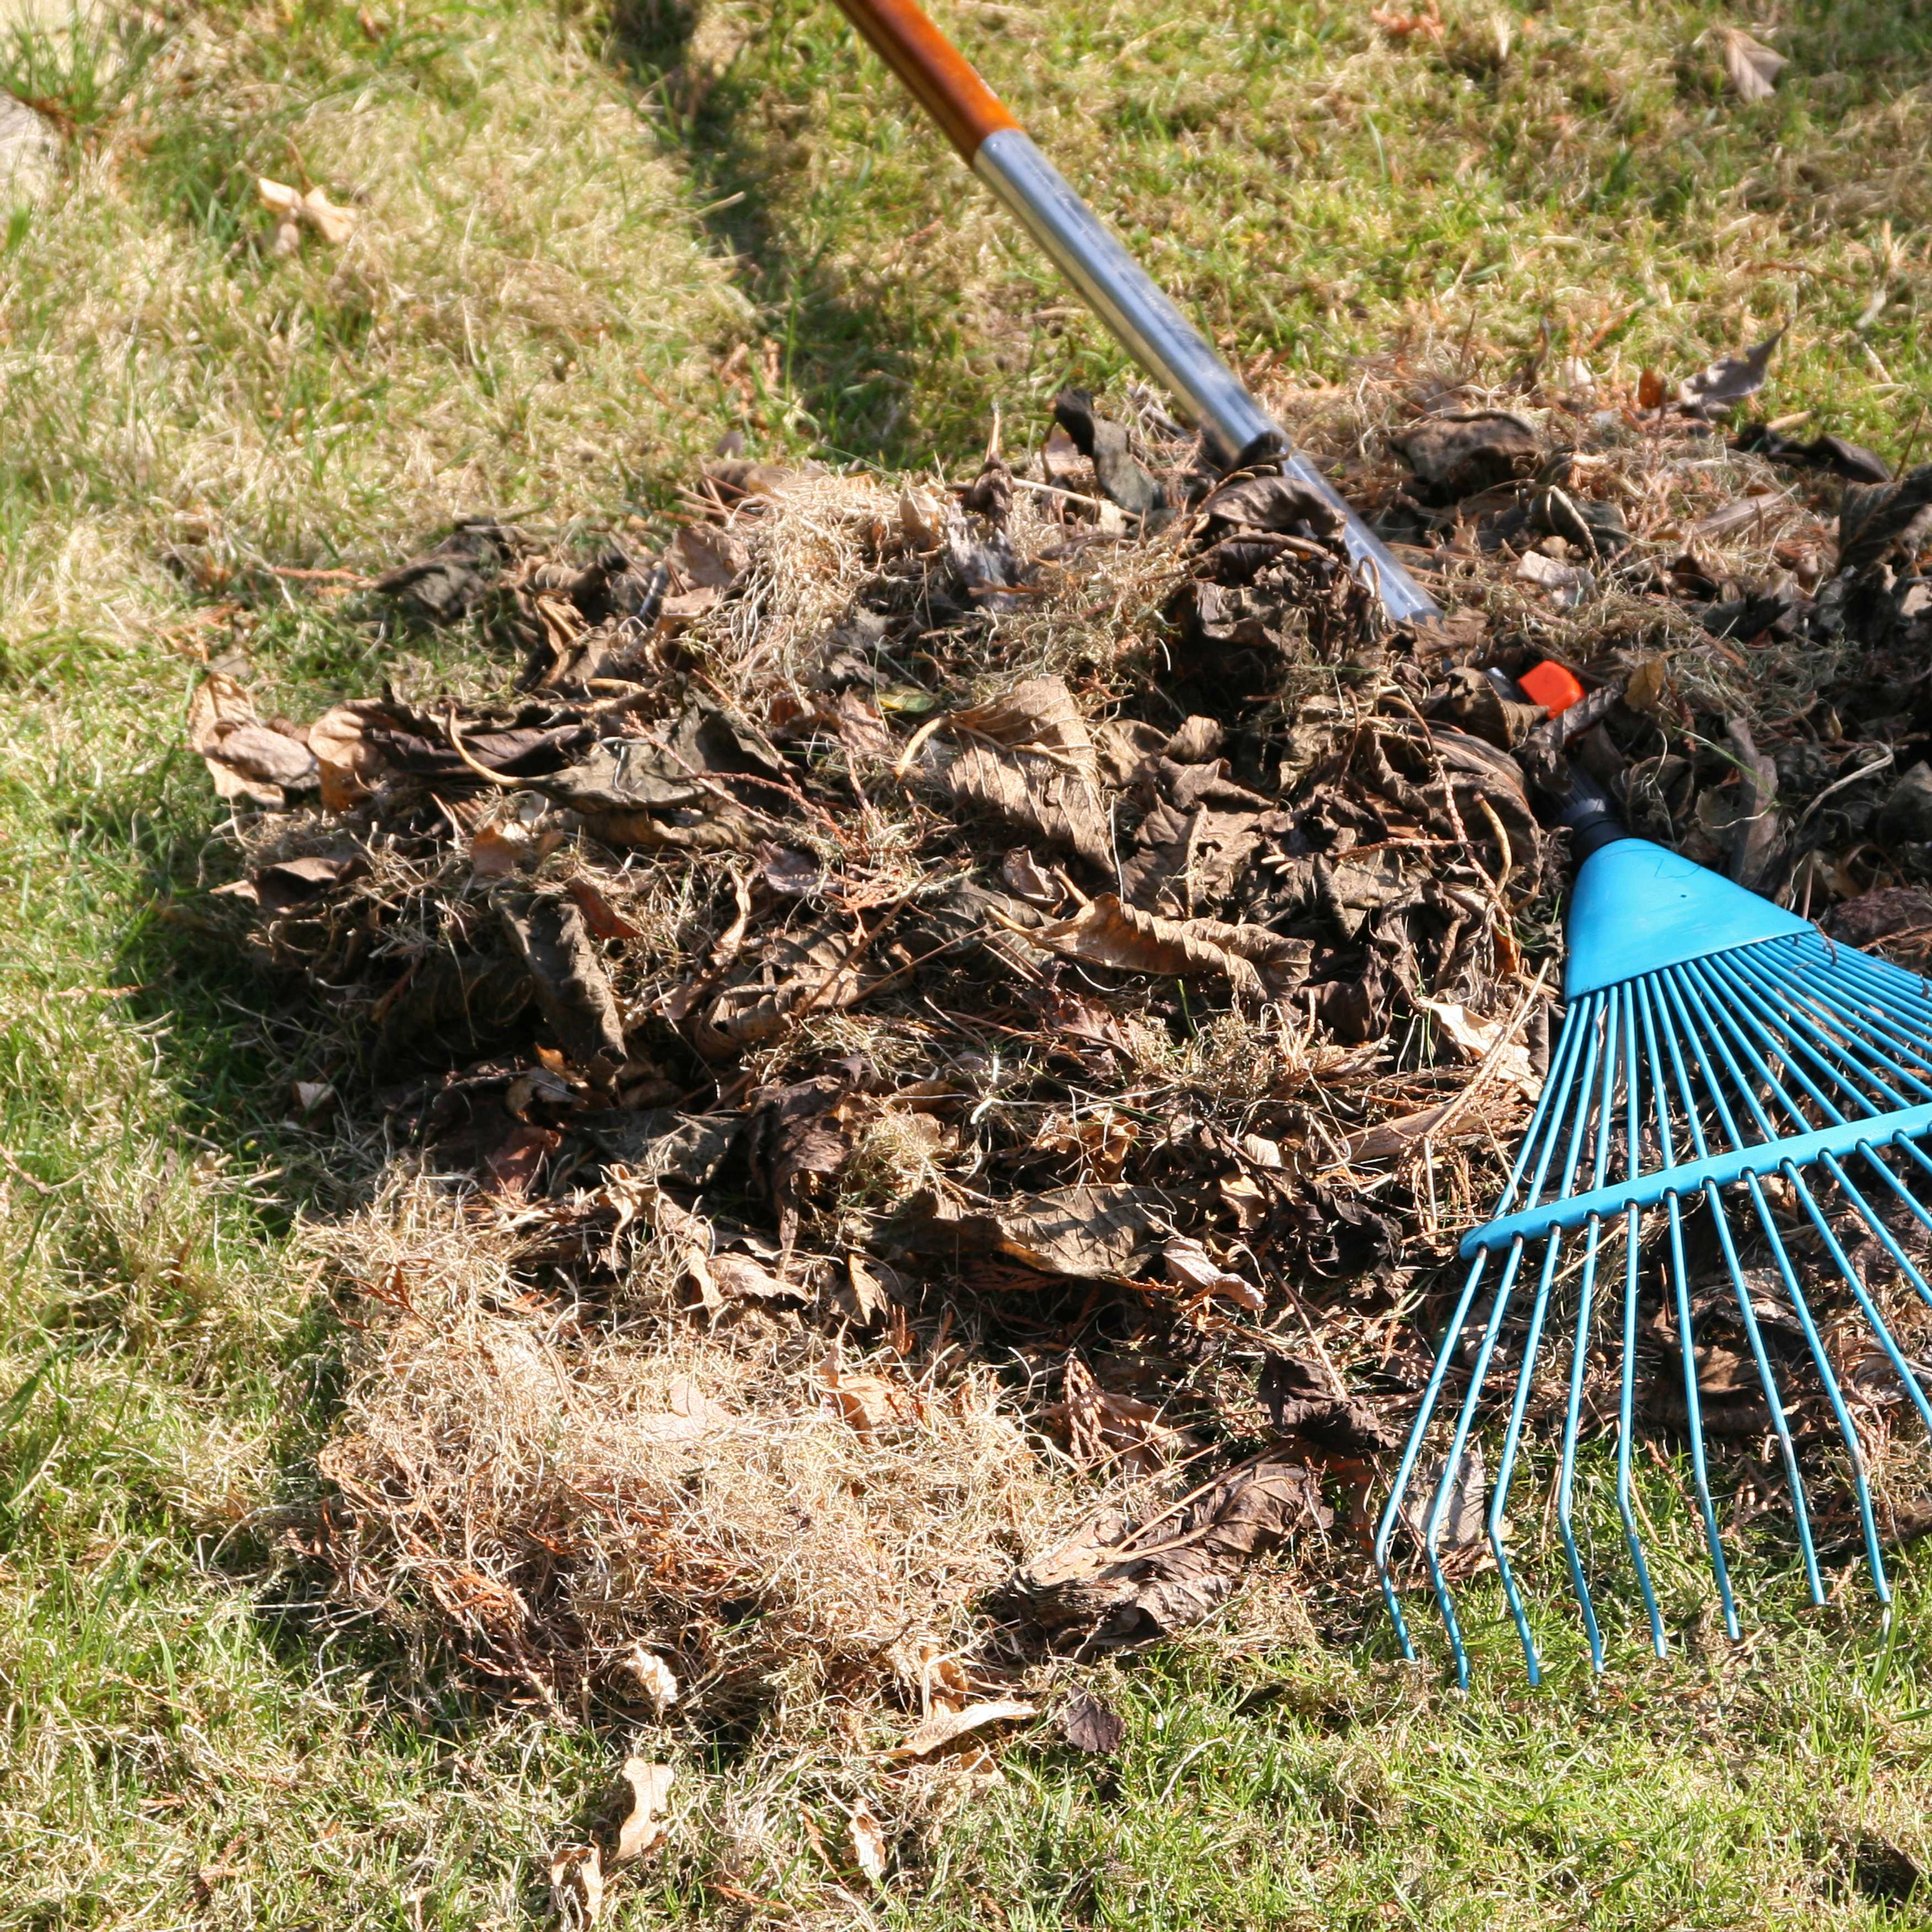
x=1638, y=908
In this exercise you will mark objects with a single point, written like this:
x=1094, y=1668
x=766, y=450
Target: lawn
x=588, y=244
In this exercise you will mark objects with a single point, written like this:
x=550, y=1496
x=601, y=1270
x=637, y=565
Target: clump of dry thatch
x=777, y=1519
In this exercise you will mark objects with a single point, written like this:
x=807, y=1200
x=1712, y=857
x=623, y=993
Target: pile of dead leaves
x=1046, y=951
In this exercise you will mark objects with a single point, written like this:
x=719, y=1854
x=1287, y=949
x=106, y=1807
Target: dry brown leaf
x=708, y=556
x=495, y=851
x=1025, y=880
x=1490, y=1116
x=295, y=211
x=946, y=1726
x=350, y=767
x=604, y=920
x=571, y=986
x=1751, y=67
x=1644, y=689
x=1088, y=1725
x=1189, y=1265
x=868, y=1840
x=745, y=1278
x=1102, y=1233
x=1426, y=24
x=1475, y=1037
x=1107, y=933
x=1185, y=859
x=246, y=759
x=819, y=969
x=1650, y=390
x=1181, y=1563
x=869, y=1402
x=646, y=1827
x=689, y=1415
x=1107, y=1430
x=942, y=1681
x=576, y=1886
x=1027, y=757
x=1100, y=1140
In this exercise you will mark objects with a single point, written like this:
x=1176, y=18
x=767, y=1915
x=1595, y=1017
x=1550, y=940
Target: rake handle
x=1236, y=428
x=932, y=70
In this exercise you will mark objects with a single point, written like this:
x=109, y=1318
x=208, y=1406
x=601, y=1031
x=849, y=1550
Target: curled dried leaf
x=948, y=1726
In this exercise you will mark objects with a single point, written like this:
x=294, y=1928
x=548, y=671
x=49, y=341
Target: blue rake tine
x=1566, y=1479
x=1549, y=1107
x=1680, y=1282
x=1412, y=1449
x=1760, y=1361
x=1585, y=1093
x=1627, y=1380
x=1712, y=1040
x=1821, y=1361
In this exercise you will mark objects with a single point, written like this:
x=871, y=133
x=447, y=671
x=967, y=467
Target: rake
x=1723, y=1070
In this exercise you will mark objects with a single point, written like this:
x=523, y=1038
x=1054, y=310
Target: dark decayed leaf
x=1131, y=1586
x=1727, y=381
x=1302, y=1398
x=799, y=1137
x=1882, y=1870
x=1124, y=480
x=449, y=581
x=1851, y=460
x=1268, y=502
x=1087, y=1725
x=659, y=1145
x=1906, y=816
x=695, y=787
x=1877, y=521
x=1461, y=455
x=567, y=978
x=1880, y=915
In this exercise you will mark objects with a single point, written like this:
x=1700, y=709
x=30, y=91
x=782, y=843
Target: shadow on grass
x=851, y=355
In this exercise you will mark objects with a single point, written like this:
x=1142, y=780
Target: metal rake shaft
x=1787, y=1083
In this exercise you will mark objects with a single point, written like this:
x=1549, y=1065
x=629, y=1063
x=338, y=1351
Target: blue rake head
x=1717, y=1053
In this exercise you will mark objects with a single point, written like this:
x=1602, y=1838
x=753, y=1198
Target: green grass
x=564, y=237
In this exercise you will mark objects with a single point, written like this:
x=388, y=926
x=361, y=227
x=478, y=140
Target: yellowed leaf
x=868, y=1845
x=1644, y=689
x=576, y=1886
x=333, y=224
x=656, y=1678
x=944, y=1726
x=646, y=1827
